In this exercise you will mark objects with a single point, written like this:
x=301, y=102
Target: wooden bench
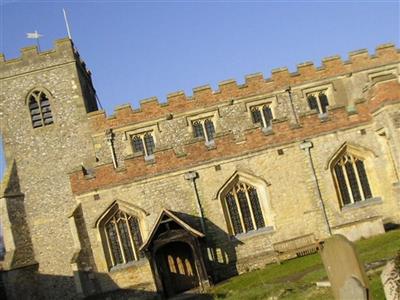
x=296, y=247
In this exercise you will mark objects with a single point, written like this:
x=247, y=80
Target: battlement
x=31, y=59
x=281, y=78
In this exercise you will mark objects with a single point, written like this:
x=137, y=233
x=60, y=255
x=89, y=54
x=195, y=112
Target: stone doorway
x=174, y=251
x=177, y=268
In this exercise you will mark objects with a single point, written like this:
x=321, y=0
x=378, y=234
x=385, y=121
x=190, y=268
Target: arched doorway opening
x=177, y=268
x=174, y=251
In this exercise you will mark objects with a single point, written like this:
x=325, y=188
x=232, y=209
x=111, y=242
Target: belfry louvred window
x=244, y=208
x=351, y=179
x=123, y=237
x=39, y=109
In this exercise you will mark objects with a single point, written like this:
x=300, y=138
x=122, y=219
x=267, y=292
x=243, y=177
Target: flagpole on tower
x=66, y=24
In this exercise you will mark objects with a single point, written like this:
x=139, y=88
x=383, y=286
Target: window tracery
x=262, y=114
x=244, y=208
x=143, y=143
x=123, y=236
x=318, y=101
x=351, y=179
x=204, y=129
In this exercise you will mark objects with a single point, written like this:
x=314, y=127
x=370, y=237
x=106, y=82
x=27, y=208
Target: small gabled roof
x=167, y=215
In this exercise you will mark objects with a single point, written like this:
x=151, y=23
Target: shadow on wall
x=218, y=248
x=26, y=279
x=218, y=251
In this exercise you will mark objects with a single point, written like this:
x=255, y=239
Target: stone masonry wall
x=44, y=156
x=69, y=163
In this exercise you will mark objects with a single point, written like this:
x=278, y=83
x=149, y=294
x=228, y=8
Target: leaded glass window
x=149, y=143
x=204, y=129
x=244, y=209
x=262, y=114
x=351, y=179
x=210, y=130
x=198, y=129
x=123, y=237
x=137, y=144
x=143, y=143
x=255, y=114
x=318, y=101
x=39, y=109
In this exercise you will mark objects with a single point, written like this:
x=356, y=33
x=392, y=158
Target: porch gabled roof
x=168, y=216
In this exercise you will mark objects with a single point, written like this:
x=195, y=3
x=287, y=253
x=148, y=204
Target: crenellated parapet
x=31, y=59
x=255, y=84
x=340, y=118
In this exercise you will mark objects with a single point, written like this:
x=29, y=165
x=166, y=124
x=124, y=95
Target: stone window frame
x=261, y=187
x=361, y=154
x=327, y=90
x=141, y=132
x=39, y=91
x=100, y=224
x=271, y=103
x=212, y=116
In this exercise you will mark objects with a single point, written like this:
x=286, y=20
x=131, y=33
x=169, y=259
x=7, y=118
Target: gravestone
x=390, y=278
x=344, y=269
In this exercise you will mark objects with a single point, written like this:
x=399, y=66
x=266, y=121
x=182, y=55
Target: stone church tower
x=44, y=101
x=157, y=200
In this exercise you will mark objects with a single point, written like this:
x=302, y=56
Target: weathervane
x=35, y=35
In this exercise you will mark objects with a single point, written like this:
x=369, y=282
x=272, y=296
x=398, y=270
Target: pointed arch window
x=123, y=238
x=351, y=179
x=39, y=109
x=244, y=209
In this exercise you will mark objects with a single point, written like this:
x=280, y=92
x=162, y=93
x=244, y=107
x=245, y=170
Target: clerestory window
x=123, y=237
x=351, y=179
x=144, y=143
x=39, y=109
x=204, y=129
x=244, y=209
x=318, y=101
x=262, y=114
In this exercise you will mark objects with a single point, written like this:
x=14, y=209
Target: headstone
x=390, y=278
x=353, y=289
x=344, y=269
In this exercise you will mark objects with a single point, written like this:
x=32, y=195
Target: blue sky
x=140, y=49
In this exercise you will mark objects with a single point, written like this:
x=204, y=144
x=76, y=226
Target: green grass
x=295, y=279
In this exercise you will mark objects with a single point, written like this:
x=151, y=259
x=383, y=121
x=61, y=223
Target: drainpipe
x=192, y=175
x=289, y=91
x=110, y=140
x=306, y=146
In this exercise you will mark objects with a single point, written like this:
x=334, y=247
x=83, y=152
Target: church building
x=169, y=197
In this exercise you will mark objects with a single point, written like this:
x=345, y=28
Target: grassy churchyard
x=296, y=278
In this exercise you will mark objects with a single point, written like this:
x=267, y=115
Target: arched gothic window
x=262, y=114
x=204, y=129
x=244, y=209
x=39, y=109
x=123, y=236
x=144, y=143
x=351, y=179
x=318, y=101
